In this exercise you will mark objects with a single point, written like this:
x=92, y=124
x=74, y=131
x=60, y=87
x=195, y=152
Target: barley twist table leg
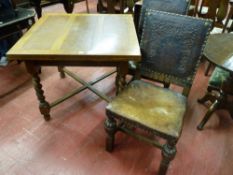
x=43, y=104
x=62, y=73
x=122, y=70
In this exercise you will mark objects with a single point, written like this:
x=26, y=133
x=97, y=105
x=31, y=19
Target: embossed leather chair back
x=171, y=6
x=171, y=51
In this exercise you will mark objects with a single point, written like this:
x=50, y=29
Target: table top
x=219, y=50
x=82, y=37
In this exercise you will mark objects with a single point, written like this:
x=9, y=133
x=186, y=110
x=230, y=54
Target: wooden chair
x=68, y=5
x=214, y=94
x=11, y=27
x=193, y=7
x=171, y=54
x=230, y=16
x=217, y=11
x=108, y=6
x=172, y=6
x=115, y=6
x=23, y=19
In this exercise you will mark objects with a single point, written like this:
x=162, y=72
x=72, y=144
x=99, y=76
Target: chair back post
x=229, y=16
x=196, y=3
x=115, y=6
x=212, y=9
x=222, y=12
x=217, y=11
x=122, y=6
x=110, y=6
x=13, y=3
x=136, y=14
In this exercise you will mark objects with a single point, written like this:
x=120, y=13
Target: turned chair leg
x=168, y=154
x=207, y=97
x=209, y=113
x=110, y=128
x=166, y=85
x=208, y=69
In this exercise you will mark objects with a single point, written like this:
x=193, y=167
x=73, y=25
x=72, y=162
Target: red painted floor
x=73, y=142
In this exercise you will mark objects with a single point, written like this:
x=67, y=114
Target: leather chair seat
x=154, y=107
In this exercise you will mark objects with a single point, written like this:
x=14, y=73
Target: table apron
x=76, y=63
